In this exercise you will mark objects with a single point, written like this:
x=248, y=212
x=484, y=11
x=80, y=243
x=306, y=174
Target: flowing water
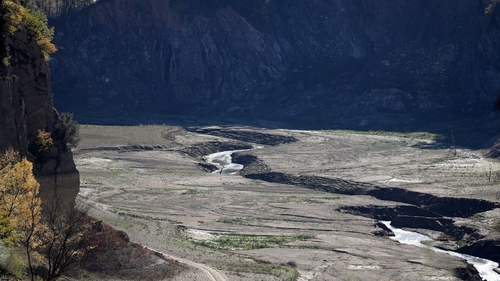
x=484, y=266
x=223, y=161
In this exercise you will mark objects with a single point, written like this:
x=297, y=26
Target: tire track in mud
x=211, y=273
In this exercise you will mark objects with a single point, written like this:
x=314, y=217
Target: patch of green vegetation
x=136, y=216
x=88, y=276
x=283, y=272
x=224, y=241
x=497, y=226
x=234, y=220
x=188, y=245
x=31, y=19
x=100, y=174
x=412, y=135
x=119, y=224
x=332, y=197
x=309, y=200
x=126, y=212
x=309, y=247
x=287, y=199
x=190, y=191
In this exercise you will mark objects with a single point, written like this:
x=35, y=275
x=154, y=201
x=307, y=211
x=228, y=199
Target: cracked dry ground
x=139, y=180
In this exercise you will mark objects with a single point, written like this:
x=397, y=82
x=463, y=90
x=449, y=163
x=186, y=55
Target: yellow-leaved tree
x=20, y=206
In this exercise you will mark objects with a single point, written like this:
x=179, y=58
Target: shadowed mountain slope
x=419, y=65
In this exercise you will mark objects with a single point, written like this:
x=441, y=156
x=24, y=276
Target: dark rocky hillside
x=372, y=64
x=26, y=107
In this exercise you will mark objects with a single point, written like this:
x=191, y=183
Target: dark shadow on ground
x=471, y=132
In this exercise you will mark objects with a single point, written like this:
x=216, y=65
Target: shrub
x=36, y=24
x=33, y=20
x=47, y=48
x=66, y=132
x=43, y=144
x=15, y=265
x=7, y=228
x=12, y=14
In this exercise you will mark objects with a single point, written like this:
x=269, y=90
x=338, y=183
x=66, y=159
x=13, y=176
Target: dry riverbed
x=142, y=180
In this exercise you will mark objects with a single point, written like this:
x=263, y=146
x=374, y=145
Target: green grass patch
x=331, y=197
x=224, y=241
x=283, y=272
x=188, y=245
x=234, y=220
x=412, y=135
x=190, y=191
x=287, y=199
x=309, y=200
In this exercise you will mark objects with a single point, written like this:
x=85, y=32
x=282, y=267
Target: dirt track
x=155, y=193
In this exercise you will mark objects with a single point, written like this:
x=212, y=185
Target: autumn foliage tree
x=54, y=237
x=20, y=206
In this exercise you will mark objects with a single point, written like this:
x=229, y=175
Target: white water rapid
x=223, y=161
x=484, y=266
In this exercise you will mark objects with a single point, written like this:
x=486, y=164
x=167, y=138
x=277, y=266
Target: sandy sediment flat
x=139, y=180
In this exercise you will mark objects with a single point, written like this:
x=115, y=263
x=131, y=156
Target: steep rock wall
x=25, y=108
x=319, y=61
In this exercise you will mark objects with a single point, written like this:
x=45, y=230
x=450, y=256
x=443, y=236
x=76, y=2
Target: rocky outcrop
x=432, y=223
x=494, y=151
x=26, y=107
x=246, y=136
x=469, y=273
x=488, y=249
x=385, y=213
x=371, y=63
x=202, y=149
x=446, y=206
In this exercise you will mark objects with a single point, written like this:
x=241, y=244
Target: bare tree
x=61, y=239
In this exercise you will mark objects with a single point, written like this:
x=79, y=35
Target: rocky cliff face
x=25, y=108
x=371, y=63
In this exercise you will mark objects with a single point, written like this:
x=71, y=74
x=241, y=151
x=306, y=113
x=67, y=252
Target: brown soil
x=139, y=180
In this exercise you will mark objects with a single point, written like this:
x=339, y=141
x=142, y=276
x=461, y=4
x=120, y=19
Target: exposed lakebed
x=150, y=193
x=449, y=206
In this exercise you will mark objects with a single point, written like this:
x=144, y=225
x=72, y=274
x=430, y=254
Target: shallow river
x=223, y=161
x=484, y=266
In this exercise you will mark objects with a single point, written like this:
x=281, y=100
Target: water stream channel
x=223, y=161
x=484, y=266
